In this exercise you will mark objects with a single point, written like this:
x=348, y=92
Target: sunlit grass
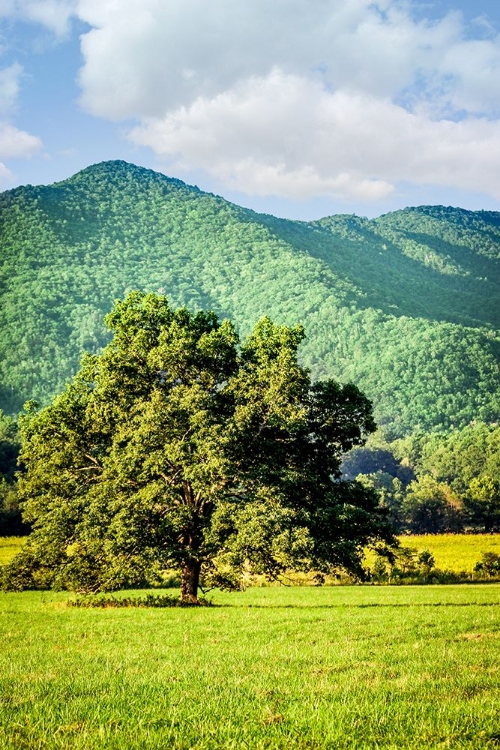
x=10, y=546
x=455, y=552
x=343, y=667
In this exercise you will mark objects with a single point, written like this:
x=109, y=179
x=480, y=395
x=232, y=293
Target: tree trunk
x=190, y=579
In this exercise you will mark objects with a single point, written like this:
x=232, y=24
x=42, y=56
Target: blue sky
x=300, y=108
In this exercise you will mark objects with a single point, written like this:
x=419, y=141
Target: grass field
x=337, y=667
x=455, y=552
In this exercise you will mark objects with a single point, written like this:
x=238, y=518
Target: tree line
x=436, y=482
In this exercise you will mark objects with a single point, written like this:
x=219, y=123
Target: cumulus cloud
x=143, y=57
x=293, y=97
x=15, y=143
x=161, y=55
x=285, y=135
x=299, y=97
x=282, y=135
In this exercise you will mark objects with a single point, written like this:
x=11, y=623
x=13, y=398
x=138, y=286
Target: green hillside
x=406, y=305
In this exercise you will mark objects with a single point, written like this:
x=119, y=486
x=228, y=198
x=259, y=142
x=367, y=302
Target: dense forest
x=435, y=483
x=406, y=305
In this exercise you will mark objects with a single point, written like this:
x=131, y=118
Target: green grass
x=338, y=667
x=455, y=552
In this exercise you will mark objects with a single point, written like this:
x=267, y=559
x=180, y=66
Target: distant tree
x=178, y=447
x=483, y=503
x=426, y=561
x=370, y=460
x=455, y=457
x=391, y=493
x=406, y=561
x=430, y=507
x=457, y=473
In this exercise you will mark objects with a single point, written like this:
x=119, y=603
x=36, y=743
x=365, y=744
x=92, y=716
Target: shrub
x=489, y=565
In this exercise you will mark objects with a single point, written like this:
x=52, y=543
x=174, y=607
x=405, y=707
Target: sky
x=299, y=108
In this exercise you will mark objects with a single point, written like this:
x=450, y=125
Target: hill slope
x=406, y=305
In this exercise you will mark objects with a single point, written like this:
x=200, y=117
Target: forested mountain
x=406, y=305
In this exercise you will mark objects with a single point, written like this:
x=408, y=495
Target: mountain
x=405, y=305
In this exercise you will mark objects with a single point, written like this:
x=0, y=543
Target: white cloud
x=145, y=57
x=54, y=15
x=9, y=87
x=262, y=178
x=15, y=143
x=285, y=135
x=271, y=136
x=473, y=70
x=293, y=97
x=299, y=97
x=160, y=55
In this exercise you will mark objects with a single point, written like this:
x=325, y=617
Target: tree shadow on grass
x=151, y=601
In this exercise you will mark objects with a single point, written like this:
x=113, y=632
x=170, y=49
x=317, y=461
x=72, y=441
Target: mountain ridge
x=406, y=305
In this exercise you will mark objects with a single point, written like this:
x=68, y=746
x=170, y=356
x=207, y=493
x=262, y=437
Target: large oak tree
x=179, y=447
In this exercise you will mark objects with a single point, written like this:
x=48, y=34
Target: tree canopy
x=178, y=446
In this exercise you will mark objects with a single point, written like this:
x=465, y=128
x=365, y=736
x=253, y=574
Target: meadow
x=455, y=552
x=333, y=667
